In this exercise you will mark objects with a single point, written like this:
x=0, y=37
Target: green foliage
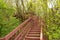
x=8, y=26
x=40, y=7
x=53, y=22
x=7, y=21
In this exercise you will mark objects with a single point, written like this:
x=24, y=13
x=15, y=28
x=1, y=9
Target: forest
x=14, y=12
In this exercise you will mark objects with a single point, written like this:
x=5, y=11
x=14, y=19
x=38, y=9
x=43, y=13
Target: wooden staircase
x=33, y=34
x=28, y=30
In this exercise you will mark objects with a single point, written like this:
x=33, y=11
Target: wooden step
x=34, y=32
x=33, y=35
x=32, y=38
x=36, y=29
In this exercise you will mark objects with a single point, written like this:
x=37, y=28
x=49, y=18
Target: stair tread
x=33, y=37
x=35, y=32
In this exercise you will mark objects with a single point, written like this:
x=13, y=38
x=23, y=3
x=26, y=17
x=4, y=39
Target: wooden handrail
x=20, y=36
x=20, y=32
x=7, y=37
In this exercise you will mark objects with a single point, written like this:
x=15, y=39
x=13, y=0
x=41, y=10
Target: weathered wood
x=30, y=27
